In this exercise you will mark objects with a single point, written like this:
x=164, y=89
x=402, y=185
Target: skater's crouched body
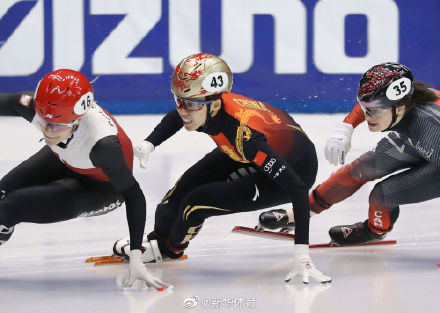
x=263, y=158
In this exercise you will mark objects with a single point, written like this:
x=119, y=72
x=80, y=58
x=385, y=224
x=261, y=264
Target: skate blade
x=333, y=244
x=284, y=230
x=107, y=259
x=290, y=237
x=183, y=257
x=263, y=233
x=102, y=258
x=114, y=259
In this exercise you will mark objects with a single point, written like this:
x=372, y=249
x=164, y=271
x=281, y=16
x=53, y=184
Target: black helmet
x=385, y=85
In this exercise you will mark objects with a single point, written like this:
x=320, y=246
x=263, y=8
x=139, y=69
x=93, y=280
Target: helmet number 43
x=215, y=82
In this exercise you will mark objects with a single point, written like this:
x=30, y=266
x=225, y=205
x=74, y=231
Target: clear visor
x=374, y=104
x=190, y=104
x=56, y=126
x=374, y=111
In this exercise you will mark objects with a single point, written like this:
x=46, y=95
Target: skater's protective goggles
x=56, y=126
x=374, y=111
x=190, y=104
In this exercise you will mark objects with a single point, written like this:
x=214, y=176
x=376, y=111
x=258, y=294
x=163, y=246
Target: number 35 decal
x=399, y=89
x=215, y=82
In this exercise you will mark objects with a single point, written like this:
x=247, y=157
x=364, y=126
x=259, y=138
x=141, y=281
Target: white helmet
x=201, y=75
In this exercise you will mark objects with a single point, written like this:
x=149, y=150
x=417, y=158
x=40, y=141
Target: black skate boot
x=5, y=233
x=167, y=250
x=358, y=233
x=275, y=219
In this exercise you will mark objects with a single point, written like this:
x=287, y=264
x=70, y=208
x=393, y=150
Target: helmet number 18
x=83, y=103
x=86, y=104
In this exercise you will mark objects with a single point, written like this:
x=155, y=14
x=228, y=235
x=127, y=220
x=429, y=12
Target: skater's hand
x=304, y=267
x=137, y=270
x=339, y=143
x=142, y=152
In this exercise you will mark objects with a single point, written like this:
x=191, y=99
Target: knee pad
x=362, y=169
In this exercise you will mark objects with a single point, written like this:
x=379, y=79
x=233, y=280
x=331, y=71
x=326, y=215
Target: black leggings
x=43, y=190
x=207, y=189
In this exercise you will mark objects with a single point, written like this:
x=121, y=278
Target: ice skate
x=355, y=234
x=151, y=252
x=5, y=233
x=150, y=249
x=277, y=219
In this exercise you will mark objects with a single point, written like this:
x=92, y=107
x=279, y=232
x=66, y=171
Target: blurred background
x=302, y=56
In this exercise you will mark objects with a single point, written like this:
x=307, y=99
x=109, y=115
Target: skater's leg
x=420, y=183
x=385, y=159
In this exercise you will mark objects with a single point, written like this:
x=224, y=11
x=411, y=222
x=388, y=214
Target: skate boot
x=150, y=249
x=5, y=233
x=154, y=249
x=358, y=233
x=278, y=218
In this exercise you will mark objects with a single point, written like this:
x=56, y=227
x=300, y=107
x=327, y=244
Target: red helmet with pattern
x=63, y=96
x=385, y=85
x=201, y=75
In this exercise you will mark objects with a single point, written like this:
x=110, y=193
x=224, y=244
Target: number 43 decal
x=216, y=82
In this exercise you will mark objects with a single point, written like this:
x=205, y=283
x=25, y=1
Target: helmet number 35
x=399, y=89
x=215, y=82
x=83, y=103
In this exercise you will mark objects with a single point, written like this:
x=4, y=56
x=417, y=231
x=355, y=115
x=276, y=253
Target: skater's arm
x=355, y=117
x=278, y=170
x=107, y=154
x=168, y=126
x=339, y=142
x=17, y=104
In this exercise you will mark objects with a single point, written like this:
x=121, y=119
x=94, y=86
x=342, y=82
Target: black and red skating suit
x=98, y=155
x=262, y=146
x=412, y=145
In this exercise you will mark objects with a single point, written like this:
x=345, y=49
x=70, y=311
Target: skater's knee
x=195, y=207
x=166, y=212
x=362, y=169
x=195, y=213
x=377, y=198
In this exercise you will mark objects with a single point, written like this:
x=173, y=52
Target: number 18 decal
x=83, y=103
x=216, y=82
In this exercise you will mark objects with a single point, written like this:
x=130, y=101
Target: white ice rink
x=42, y=267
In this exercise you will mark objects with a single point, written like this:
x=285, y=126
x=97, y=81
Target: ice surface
x=42, y=267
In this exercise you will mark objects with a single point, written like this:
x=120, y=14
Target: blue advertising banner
x=302, y=56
